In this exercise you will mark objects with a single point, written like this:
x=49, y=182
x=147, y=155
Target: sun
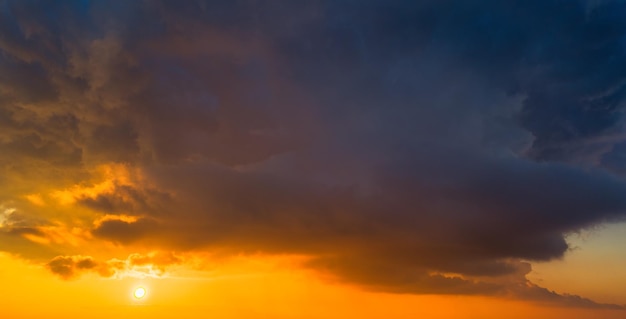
x=139, y=292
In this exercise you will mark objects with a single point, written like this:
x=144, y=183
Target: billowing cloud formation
x=414, y=146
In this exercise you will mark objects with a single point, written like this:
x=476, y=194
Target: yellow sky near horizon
x=593, y=268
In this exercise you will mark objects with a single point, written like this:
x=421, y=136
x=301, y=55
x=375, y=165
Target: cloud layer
x=414, y=146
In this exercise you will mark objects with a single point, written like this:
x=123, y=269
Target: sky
x=313, y=159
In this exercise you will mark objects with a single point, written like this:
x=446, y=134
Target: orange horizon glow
x=257, y=288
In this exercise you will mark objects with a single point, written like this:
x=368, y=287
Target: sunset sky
x=247, y=159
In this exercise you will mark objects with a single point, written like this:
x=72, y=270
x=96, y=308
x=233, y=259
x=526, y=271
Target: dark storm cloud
x=127, y=232
x=394, y=142
x=564, y=57
x=478, y=219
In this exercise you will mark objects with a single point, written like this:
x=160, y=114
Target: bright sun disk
x=139, y=292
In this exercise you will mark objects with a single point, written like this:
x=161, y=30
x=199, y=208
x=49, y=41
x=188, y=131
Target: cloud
x=126, y=232
x=475, y=221
x=68, y=267
x=413, y=147
x=136, y=265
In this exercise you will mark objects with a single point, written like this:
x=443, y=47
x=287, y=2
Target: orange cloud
x=110, y=177
x=153, y=264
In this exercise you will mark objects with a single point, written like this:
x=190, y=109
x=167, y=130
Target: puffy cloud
x=68, y=267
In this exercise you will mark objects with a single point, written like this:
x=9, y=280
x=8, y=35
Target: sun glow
x=139, y=292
